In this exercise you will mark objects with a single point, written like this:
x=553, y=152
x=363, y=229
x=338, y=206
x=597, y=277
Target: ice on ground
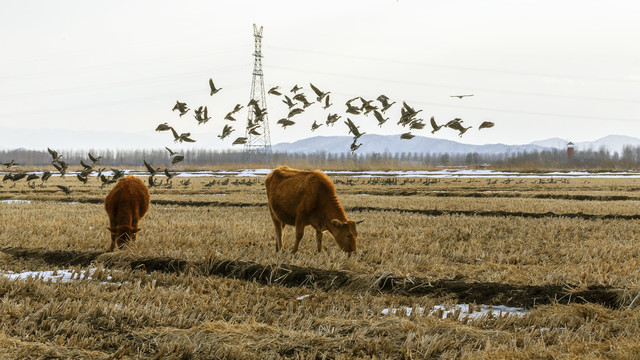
x=464, y=311
x=302, y=297
x=63, y=275
x=15, y=201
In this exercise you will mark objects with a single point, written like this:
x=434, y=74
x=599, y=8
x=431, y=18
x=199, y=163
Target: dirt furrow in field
x=463, y=291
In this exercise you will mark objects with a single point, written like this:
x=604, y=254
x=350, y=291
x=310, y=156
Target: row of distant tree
x=629, y=158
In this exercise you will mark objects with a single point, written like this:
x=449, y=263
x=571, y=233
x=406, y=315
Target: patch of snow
x=302, y=297
x=55, y=276
x=464, y=311
x=15, y=201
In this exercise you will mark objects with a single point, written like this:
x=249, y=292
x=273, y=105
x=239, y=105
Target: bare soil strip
x=429, y=212
x=490, y=293
x=578, y=215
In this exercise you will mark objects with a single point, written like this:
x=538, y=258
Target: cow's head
x=122, y=234
x=346, y=234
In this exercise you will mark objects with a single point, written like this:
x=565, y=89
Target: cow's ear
x=359, y=221
x=336, y=223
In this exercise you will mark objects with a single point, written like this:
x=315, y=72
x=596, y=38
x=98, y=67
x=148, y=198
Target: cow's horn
x=359, y=221
x=345, y=223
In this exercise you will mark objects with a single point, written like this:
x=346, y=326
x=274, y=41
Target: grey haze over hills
x=422, y=144
x=612, y=143
x=40, y=139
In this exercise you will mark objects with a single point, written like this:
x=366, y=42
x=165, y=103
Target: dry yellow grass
x=193, y=315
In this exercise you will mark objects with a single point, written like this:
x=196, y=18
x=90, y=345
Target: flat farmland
x=446, y=267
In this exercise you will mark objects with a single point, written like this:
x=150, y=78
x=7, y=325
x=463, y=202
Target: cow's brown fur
x=302, y=198
x=126, y=204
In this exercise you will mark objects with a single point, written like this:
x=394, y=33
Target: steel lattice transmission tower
x=258, y=145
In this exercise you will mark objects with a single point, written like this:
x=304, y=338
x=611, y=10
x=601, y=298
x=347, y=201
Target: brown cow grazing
x=126, y=204
x=302, y=198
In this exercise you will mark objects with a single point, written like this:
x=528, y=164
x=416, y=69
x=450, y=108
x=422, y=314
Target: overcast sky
x=537, y=69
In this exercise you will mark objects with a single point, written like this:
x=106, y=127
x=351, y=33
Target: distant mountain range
x=422, y=144
x=61, y=139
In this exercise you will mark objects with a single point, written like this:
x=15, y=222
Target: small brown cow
x=126, y=204
x=302, y=198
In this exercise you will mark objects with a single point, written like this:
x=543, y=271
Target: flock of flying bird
x=298, y=102
x=365, y=107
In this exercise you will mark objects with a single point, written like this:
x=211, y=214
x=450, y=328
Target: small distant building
x=570, y=151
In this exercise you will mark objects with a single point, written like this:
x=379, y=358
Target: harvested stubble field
x=204, y=280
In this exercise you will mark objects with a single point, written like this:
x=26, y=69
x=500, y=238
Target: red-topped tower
x=570, y=151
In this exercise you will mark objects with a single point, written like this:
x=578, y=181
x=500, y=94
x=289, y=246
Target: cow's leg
x=299, y=234
x=279, y=227
x=112, y=225
x=319, y=239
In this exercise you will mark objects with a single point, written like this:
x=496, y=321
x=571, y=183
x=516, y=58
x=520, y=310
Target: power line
x=522, y=73
x=449, y=105
x=118, y=84
x=106, y=104
x=420, y=83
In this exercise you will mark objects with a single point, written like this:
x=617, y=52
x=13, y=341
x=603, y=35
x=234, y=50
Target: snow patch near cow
x=15, y=201
x=55, y=276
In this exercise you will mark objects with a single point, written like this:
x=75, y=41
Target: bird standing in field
x=10, y=164
x=213, y=87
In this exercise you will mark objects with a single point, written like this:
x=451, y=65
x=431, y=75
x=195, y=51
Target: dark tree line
x=599, y=159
